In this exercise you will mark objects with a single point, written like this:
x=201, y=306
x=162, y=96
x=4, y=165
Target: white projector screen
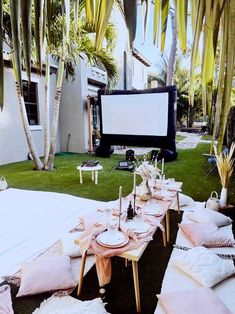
x=136, y=114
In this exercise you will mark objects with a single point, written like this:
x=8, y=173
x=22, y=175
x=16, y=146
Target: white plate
x=153, y=211
x=112, y=238
x=138, y=226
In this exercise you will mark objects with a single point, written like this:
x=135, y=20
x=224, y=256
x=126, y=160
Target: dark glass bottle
x=130, y=211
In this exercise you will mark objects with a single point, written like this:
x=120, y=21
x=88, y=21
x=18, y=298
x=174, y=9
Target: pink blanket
x=5, y=300
x=103, y=263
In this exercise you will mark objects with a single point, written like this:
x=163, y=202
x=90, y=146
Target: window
x=31, y=101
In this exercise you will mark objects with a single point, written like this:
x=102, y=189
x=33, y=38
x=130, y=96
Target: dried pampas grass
x=224, y=163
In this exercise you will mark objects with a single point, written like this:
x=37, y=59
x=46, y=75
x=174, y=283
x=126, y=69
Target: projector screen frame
x=166, y=142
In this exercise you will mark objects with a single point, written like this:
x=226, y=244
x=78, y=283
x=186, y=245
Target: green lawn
x=179, y=138
x=188, y=168
x=207, y=137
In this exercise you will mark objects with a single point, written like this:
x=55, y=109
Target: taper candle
x=134, y=184
x=162, y=165
x=120, y=199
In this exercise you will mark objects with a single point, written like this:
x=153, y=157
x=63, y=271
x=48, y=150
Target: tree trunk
x=50, y=163
x=46, y=112
x=171, y=63
x=32, y=148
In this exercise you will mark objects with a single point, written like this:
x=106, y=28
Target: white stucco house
x=74, y=120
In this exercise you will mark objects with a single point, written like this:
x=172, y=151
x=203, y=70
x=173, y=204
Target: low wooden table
x=94, y=172
x=135, y=255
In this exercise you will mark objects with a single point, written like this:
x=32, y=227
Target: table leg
x=168, y=225
x=92, y=175
x=178, y=202
x=96, y=177
x=81, y=273
x=80, y=173
x=164, y=232
x=136, y=285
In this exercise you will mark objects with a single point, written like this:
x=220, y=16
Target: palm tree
x=49, y=19
x=79, y=42
x=213, y=18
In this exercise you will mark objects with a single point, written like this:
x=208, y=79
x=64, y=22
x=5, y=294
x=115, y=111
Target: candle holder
x=134, y=198
x=119, y=221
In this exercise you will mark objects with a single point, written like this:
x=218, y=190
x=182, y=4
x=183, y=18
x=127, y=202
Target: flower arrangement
x=147, y=169
x=224, y=163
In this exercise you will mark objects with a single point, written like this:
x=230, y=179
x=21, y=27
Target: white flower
x=147, y=170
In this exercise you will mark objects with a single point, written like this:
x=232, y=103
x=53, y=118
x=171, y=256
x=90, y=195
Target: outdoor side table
x=93, y=170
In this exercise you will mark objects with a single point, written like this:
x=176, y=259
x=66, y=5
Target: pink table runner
x=93, y=226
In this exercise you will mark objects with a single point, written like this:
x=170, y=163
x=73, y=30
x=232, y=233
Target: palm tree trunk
x=46, y=112
x=50, y=163
x=32, y=148
x=171, y=63
x=229, y=70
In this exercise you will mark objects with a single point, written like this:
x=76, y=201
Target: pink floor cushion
x=206, y=234
x=46, y=274
x=195, y=301
x=5, y=300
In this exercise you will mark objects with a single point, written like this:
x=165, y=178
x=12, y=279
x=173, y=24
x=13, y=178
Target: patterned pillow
x=206, y=234
x=204, y=266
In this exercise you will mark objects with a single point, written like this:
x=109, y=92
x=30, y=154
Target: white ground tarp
x=32, y=221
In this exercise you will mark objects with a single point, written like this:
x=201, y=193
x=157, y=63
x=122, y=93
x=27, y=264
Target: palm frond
x=38, y=30
x=104, y=11
x=130, y=12
x=182, y=13
x=145, y=8
x=26, y=9
x=165, y=8
x=156, y=20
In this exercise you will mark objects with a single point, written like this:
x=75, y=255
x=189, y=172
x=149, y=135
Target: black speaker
x=130, y=155
x=104, y=150
x=167, y=154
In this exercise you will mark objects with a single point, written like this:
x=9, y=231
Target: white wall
x=13, y=145
x=122, y=45
x=140, y=75
x=73, y=113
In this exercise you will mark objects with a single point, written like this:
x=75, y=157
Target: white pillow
x=184, y=200
x=204, y=266
x=205, y=215
x=69, y=247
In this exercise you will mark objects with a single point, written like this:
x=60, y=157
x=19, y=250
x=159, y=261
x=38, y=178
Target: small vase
x=145, y=191
x=223, y=197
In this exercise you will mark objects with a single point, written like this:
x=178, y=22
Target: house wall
x=13, y=145
x=73, y=111
x=122, y=45
x=140, y=75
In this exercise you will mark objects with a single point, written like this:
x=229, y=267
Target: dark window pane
x=31, y=103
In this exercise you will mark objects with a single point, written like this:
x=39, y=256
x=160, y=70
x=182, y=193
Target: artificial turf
x=190, y=168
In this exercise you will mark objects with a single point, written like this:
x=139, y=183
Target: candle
x=162, y=165
x=120, y=208
x=120, y=199
x=134, y=184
